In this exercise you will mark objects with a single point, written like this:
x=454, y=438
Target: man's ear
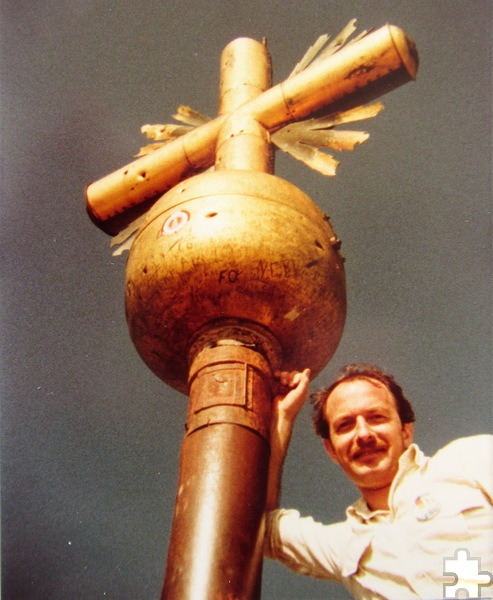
x=330, y=450
x=408, y=431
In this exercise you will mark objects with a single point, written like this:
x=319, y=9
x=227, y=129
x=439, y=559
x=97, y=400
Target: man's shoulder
x=475, y=443
x=467, y=452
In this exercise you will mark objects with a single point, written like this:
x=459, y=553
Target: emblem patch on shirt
x=427, y=507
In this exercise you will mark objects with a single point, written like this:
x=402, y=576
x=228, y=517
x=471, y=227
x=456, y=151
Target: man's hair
x=359, y=371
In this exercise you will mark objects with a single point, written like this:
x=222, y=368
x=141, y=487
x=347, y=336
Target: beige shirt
x=439, y=508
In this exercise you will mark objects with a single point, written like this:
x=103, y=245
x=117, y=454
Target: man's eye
x=377, y=418
x=344, y=426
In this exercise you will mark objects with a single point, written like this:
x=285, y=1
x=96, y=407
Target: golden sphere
x=238, y=246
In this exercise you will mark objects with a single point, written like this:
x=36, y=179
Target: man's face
x=366, y=434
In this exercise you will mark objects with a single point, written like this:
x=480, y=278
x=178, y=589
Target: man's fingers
x=305, y=376
x=291, y=378
x=295, y=379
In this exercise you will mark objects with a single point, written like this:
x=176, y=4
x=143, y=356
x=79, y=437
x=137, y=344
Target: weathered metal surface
x=238, y=245
x=377, y=63
x=242, y=143
x=215, y=547
x=245, y=73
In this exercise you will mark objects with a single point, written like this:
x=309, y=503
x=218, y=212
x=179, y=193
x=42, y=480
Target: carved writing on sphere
x=229, y=276
x=278, y=269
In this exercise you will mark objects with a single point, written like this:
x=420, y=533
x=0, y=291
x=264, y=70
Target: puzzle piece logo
x=469, y=580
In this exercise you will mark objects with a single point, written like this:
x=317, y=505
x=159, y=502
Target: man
x=414, y=512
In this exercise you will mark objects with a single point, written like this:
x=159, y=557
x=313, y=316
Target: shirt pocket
x=459, y=499
x=448, y=523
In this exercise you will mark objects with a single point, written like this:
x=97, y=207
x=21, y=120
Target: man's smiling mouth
x=368, y=453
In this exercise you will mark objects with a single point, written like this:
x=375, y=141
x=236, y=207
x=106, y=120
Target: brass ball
x=241, y=246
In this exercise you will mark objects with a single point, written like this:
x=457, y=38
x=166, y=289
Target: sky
x=90, y=437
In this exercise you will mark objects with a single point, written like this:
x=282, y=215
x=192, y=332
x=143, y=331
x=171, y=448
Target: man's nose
x=363, y=431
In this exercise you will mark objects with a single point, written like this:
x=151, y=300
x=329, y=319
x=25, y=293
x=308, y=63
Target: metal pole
x=215, y=547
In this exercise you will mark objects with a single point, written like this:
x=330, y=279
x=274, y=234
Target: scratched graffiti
x=277, y=269
x=186, y=251
x=229, y=276
x=263, y=270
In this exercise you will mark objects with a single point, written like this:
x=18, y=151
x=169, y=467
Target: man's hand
x=291, y=394
x=288, y=401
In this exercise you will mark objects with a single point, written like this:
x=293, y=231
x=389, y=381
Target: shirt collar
x=411, y=458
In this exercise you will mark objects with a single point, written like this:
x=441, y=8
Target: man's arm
x=285, y=409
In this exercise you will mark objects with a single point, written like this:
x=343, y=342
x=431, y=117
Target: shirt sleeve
x=304, y=545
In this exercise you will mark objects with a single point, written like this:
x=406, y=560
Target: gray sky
x=90, y=438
